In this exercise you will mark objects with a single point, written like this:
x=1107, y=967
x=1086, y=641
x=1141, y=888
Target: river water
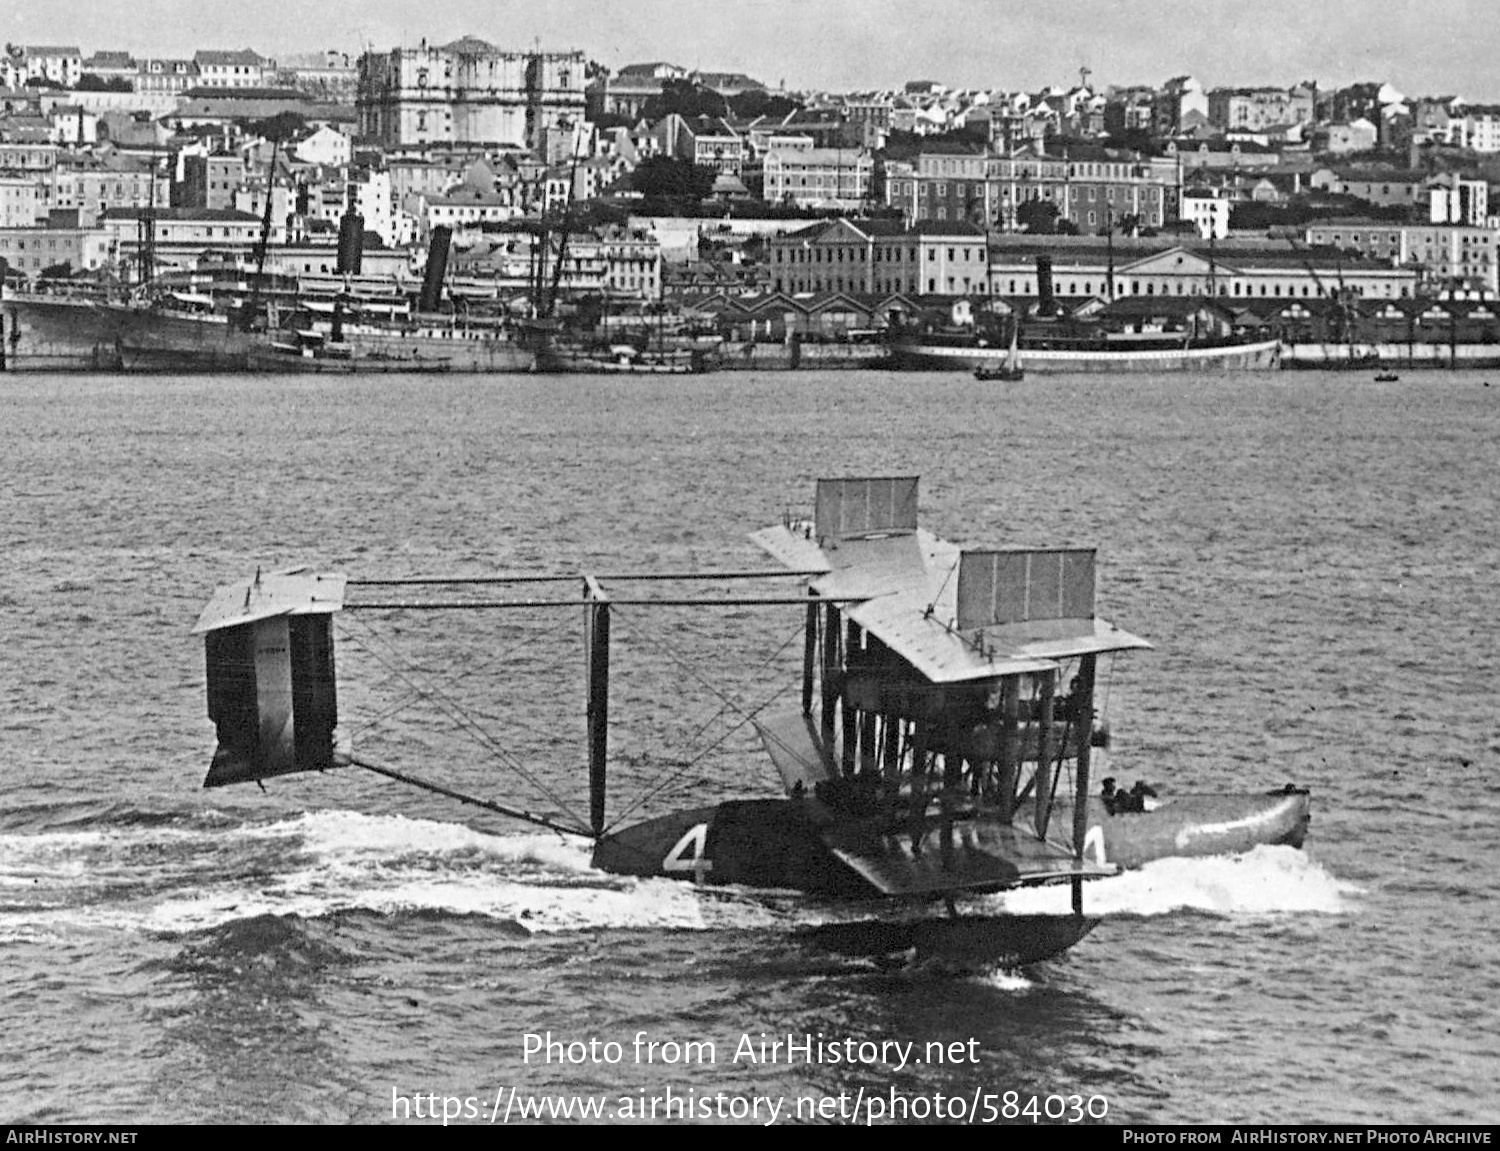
x=1314, y=558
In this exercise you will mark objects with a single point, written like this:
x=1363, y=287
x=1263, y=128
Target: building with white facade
x=182, y=238
x=1446, y=256
x=237, y=69
x=61, y=65
x=1454, y=199
x=19, y=202
x=468, y=91
x=161, y=77
x=327, y=147
x=1085, y=268
x=370, y=196
x=840, y=178
x=880, y=257
x=30, y=250
x=1091, y=188
x=1208, y=211
x=1480, y=131
x=94, y=185
x=1257, y=108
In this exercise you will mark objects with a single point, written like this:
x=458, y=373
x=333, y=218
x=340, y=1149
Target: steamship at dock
x=259, y=322
x=1130, y=334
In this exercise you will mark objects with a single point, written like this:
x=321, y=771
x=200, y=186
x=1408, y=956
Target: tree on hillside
x=1037, y=216
x=89, y=82
x=663, y=178
x=687, y=99
x=900, y=145
x=761, y=103
x=282, y=127
x=607, y=120
x=1135, y=140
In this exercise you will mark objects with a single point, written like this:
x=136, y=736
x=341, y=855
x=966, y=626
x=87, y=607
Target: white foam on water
x=338, y=861
x=338, y=835
x=540, y=909
x=1263, y=881
x=1006, y=979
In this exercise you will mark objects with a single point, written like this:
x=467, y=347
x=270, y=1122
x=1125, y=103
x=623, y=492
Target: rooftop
x=213, y=215
x=241, y=57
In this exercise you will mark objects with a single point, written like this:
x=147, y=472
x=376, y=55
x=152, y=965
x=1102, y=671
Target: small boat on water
x=1010, y=371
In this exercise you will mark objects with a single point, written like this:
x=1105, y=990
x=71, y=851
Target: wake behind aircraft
x=943, y=750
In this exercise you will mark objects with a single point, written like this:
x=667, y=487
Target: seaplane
x=943, y=752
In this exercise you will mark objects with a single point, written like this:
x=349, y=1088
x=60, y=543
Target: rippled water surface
x=1315, y=559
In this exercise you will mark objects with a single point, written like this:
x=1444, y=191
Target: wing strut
x=471, y=800
x=1083, y=717
x=598, y=703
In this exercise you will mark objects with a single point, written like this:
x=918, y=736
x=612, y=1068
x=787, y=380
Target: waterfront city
x=617, y=198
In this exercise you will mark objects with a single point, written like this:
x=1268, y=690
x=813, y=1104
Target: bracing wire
x=678, y=770
x=671, y=773
x=467, y=724
x=435, y=693
x=450, y=681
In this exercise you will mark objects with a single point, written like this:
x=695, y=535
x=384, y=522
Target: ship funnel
x=437, y=268
x=1046, y=302
x=351, y=243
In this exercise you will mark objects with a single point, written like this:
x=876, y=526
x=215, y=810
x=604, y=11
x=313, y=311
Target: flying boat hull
x=1190, y=826
x=963, y=941
x=801, y=845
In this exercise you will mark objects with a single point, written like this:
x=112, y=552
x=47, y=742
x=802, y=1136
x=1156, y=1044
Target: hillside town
x=1303, y=211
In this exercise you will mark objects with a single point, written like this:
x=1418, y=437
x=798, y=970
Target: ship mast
x=562, y=245
x=1109, y=252
x=146, y=230
x=1212, y=267
x=263, y=243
